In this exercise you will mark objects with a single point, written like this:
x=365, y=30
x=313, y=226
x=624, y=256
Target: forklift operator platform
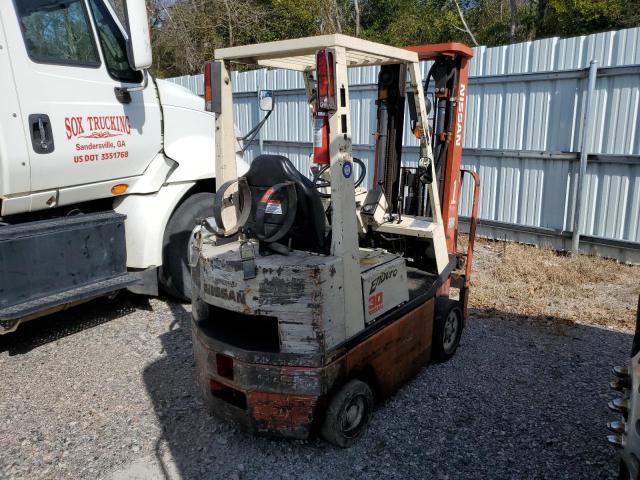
x=315, y=296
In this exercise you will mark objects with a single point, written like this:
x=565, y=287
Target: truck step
x=50, y=263
x=10, y=316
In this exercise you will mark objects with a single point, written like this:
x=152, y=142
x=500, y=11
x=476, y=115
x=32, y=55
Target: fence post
x=582, y=173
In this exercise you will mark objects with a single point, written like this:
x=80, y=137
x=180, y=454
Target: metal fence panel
x=523, y=134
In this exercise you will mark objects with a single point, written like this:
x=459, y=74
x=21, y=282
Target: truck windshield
x=114, y=47
x=57, y=31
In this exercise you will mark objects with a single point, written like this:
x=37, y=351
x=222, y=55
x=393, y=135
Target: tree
x=185, y=33
x=578, y=17
x=513, y=7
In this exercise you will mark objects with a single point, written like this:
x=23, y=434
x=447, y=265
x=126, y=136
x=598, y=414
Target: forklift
x=313, y=296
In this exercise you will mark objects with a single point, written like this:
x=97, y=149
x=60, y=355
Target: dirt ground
x=526, y=281
x=108, y=390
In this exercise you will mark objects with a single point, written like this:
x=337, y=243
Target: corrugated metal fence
x=523, y=134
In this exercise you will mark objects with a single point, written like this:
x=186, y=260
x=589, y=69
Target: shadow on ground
x=47, y=329
x=522, y=398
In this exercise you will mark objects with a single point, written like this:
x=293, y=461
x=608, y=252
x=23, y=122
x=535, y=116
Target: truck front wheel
x=174, y=275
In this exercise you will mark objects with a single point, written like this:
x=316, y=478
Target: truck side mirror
x=139, y=42
x=265, y=99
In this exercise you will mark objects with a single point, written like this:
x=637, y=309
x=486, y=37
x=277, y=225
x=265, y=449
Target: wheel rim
x=451, y=327
x=354, y=416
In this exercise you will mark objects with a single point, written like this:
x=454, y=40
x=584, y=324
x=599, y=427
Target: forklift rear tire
x=174, y=275
x=348, y=414
x=447, y=329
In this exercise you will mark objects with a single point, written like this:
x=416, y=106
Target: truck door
x=70, y=67
x=14, y=150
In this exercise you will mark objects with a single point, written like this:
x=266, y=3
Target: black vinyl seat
x=309, y=229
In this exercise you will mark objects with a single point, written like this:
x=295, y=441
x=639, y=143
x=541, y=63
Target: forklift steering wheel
x=320, y=182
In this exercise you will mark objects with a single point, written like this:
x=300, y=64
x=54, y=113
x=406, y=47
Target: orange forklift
x=314, y=296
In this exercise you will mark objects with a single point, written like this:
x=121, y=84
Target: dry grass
x=511, y=279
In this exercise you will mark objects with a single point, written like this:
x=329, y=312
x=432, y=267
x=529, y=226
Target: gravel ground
x=108, y=390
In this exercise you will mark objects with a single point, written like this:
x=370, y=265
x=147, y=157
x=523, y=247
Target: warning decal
x=274, y=207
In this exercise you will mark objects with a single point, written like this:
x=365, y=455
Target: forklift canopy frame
x=300, y=53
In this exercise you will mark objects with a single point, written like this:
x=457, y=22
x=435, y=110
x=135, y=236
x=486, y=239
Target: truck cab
x=85, y=129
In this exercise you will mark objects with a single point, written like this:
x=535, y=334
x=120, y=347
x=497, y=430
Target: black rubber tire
x=351, y=394
x=174, y=276
x=443, y=346
x=623, y=471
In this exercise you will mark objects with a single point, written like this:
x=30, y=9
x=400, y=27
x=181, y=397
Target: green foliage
x=406, y=22
x=186, y=32
x=296, y=17
x=491, y=19
x=579, y=17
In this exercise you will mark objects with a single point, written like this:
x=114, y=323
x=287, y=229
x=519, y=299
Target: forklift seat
x=308, y=231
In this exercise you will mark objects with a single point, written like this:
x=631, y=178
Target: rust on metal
x=429, y=52
x=285, y=414
x=396, y=352
x=472, y=239
x=283, y=399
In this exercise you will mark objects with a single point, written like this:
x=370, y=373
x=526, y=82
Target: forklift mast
x=388, y=137
x=402, y=186
x=450, y=73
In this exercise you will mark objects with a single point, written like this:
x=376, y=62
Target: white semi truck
x=104, y=170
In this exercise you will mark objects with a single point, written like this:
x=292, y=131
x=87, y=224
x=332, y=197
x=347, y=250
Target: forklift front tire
x=348, y=414
x=447, y=329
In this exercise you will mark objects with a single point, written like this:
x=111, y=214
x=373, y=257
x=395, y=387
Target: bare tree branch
x=513, y=5
x=356, y=10
x=464, y=22
x=226, y=5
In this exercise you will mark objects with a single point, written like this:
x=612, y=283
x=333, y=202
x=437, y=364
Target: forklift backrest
x=308, y=231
